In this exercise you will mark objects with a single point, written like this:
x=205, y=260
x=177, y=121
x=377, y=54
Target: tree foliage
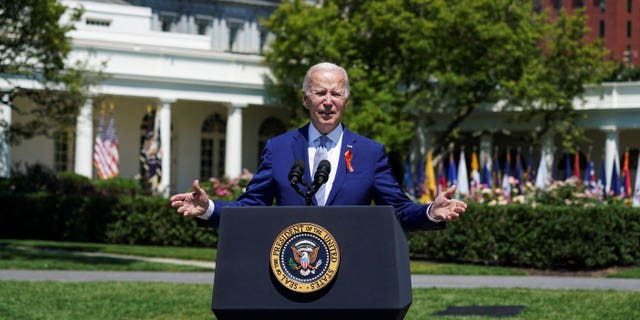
x=43, y=87
x=418, y=63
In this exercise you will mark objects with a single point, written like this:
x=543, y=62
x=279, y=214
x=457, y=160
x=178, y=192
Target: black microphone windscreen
x=297, y=170
x=323, y=170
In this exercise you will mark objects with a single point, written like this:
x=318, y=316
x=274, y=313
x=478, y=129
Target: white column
x=233, y=157
x=165, y=145
x=5, y=146
x=84, y=140
x=611, y=153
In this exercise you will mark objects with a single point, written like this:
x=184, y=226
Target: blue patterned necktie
x=321, y=154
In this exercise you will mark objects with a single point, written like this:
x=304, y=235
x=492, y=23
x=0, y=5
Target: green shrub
x=545, y=237
x=73, y=183
x=117, y=186
x=151, y=220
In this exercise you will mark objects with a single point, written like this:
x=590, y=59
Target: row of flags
x=106, y=154
x=429, y=180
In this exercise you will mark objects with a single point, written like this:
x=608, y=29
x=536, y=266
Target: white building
x=199, y=64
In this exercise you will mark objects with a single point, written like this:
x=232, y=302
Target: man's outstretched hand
x=191, y=204
x=444, y=208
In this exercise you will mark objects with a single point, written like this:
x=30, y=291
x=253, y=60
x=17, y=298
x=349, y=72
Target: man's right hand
x=191, y=204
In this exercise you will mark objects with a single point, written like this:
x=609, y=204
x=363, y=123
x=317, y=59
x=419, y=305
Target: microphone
x=322, y=174
x=297, y=170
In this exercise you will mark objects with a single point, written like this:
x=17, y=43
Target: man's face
x=326, y=99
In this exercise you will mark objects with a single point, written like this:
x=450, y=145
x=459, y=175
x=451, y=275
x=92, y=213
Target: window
x=235, y=25
x=202, y=24
x=557, y=4
x=629, y=6
x=98, y=22
x=578, y=4
x=626, y=55
x=264, y=34
x=601, y=30
x=62, y=153
x=537, y=6
x=628, y=29
x=602, y=4
x=167, y=19
x=212, y=147
x=269, y=128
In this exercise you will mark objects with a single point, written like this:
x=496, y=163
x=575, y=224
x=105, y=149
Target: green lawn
x=204, y=254
x=35, y=259
x=125, y=300
x=24, y=254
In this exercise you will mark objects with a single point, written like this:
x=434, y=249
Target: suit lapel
x=300, y=148
x=348, y=142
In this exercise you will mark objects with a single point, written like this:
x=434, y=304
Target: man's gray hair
x=325, y=66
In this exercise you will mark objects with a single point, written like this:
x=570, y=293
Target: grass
x=158, y=301
x=35, y=259
x=426, y=267
x=204, y=254
x=32, y=258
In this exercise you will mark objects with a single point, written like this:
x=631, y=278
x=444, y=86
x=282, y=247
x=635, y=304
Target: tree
x=554, y=81
x=415, y=63
x=42, y=86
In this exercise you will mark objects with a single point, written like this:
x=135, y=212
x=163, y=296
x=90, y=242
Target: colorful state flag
x=590, y=174
x=506, y=186
x=576, y=167
x=463, y=178
x=615, y=182
x=496, y=178
x=626, y=178
x=531, y=174
x=542, y=178
x=408, y=179
x=567, y=166
x=475, y=173
x=485, y=178
x=518, y=173
x=636, y=194
x=430, y=180
x=602, y=181
x=419, y=184
x=442, y=177
x=106, y=157
x=452, y=177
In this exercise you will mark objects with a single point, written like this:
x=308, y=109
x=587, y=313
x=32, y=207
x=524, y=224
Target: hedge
x=99, y=218
x=545, y=237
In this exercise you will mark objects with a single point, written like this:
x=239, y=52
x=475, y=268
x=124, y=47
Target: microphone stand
x=307, y=194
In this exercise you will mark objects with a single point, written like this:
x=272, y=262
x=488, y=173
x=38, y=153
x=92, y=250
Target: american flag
x=105, y=152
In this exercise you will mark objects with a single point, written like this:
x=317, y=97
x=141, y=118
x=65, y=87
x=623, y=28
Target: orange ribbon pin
x=347, y=157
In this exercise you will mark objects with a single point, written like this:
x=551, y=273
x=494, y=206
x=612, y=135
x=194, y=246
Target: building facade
x=198, y=66
x=616, y=22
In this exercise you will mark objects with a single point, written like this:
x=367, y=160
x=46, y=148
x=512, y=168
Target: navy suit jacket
x=370, y=181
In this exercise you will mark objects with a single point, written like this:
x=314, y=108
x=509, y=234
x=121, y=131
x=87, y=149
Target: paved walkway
x=417, y=281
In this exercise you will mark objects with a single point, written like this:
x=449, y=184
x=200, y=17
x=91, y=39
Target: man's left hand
x=444, y=208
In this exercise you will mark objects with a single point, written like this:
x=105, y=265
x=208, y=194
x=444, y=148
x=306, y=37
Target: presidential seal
x=305, y=257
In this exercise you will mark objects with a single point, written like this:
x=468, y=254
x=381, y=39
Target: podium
x=372, y=281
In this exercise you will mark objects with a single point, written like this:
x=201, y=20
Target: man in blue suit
x=362, y=173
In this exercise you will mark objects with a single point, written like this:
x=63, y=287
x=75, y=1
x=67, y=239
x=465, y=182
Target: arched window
x=269, y=128
x=212, y=147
